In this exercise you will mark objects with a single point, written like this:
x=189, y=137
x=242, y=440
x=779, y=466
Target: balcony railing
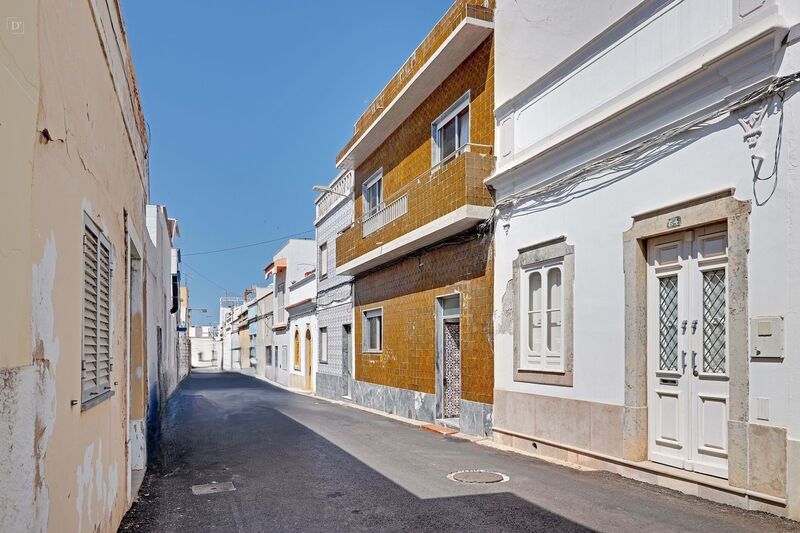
x=383, y=216
x=455, y=182
x=458, y=12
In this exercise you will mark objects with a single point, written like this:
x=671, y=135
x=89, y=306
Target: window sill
x=88, y=404
x=561, y=378
x=540, y=370
x=372, y=352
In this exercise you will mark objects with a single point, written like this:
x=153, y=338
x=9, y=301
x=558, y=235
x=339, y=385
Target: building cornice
x=668, y=102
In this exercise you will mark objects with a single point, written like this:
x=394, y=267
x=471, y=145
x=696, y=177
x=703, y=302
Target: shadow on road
x=223, y=427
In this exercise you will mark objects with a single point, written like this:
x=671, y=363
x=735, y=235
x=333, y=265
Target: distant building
x=334, y=214
x=421, y=261
x=291, y=271
x=206, y=347
x=229, y=337
x=164, y=322
x=260, y=320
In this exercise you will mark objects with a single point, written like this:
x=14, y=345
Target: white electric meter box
x=766, y=337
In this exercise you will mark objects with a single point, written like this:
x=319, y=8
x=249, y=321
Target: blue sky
x=248, y=103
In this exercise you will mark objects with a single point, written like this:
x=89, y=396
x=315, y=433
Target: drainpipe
x=175, y=295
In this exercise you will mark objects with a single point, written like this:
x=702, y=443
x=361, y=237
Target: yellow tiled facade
x=408, y=288
x=406, y=159
x=438, y=35
x=407, y=292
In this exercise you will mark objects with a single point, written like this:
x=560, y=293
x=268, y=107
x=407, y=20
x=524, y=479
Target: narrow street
x=303, y=464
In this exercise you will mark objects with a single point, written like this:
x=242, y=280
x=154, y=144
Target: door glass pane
x=714, y=306
x=463, y=128
x=668, y=323
x=447, y=139
x=535, y=312
x=554, y=310
x=450, y=307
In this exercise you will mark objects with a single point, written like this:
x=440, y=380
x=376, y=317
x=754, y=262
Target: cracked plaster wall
x=70, y=140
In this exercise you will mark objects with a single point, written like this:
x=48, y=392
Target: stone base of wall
x=706, y=487
x=587, y=425
x=476, y=418
x=592, y=434
x=297, y=381
x=401, y=402
x=331, y=386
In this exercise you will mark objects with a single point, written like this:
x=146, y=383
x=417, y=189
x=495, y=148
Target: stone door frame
x=712, y=208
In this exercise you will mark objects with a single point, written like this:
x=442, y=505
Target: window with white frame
x=542, y=334
x=96, y=361
x=372, y=191
x=451, y=130
x=284, y=356
x=323, y=345
x=372, y=330
x=280, y=291
x=323, y=260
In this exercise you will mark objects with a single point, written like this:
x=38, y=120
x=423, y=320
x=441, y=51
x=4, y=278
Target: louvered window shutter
x=96, y=361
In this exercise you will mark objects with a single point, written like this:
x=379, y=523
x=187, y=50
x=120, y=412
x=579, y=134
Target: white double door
x=687, y=361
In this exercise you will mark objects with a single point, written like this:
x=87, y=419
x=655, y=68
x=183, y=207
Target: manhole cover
x=212, y=488
x=478, y=476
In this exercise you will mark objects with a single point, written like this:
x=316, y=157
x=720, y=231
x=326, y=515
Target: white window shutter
x=96, y=361
x=90, y=319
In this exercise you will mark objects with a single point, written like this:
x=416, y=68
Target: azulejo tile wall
x=405, y=157
x=407, y=291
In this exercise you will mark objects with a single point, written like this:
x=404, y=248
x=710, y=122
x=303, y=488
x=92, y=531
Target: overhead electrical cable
x=220, y=250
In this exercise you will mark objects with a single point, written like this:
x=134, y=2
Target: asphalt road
x=303, y=464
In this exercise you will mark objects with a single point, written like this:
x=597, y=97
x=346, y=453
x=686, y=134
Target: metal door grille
x=452, y=369
x=668, y=322
x=714, y=310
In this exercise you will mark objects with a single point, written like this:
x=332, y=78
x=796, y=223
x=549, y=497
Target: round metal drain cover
x=478, y=476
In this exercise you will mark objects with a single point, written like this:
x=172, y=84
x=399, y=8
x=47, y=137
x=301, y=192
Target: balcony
x=441, y=202
x=459, y=32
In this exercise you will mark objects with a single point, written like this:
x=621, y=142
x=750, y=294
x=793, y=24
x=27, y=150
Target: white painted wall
x=301, y=257
x=715, y=158
x=206, y=352
x=534, y=36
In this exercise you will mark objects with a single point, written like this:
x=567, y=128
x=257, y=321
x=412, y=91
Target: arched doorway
x=297, y=350
x=309, y=355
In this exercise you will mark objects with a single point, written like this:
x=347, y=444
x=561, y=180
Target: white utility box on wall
x=766, y=337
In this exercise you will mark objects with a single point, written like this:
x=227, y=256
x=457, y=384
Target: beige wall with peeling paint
x=69, y=73
x=19, y=85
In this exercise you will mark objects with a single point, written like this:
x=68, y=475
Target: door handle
x=683, y=361
x=695, y=373
x=683, y=326
x=694, y=326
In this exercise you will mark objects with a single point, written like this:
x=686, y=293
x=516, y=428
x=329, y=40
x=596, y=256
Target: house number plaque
x=673, y=222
